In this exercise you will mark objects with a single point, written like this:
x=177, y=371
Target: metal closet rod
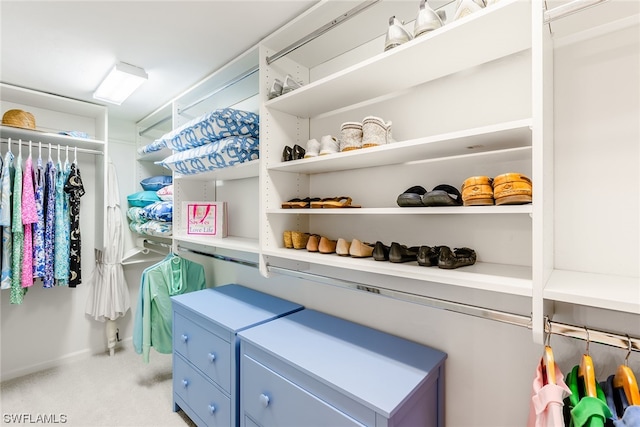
x=227, y=85
x=569, y=9
x=53, y=146
x=553, y=328
x=156, y=243
x=320, y=31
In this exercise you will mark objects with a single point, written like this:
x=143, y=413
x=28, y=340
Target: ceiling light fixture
x=120, y=83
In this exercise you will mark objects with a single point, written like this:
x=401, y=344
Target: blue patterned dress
x=48, y=281
x=6, y=181
x=61, y=243
x=38, y=227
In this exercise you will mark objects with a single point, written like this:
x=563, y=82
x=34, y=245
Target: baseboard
x=66, y=359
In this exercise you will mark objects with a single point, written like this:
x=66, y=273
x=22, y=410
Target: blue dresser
x=311, y=369
x=206, y=348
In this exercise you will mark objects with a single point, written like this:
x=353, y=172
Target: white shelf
x=243, y=244
x=618, y=293
x=510, y=279
x=155, y=156
x=243, y=170
x=440, y=210
x=511, y=137
x=26, y=135
x=486, y=35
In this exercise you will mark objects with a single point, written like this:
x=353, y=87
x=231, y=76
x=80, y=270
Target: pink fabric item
x=545, y=407
x=29, y=216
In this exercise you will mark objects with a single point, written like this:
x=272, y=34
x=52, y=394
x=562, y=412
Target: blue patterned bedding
x=218, y=154
x=219, y=124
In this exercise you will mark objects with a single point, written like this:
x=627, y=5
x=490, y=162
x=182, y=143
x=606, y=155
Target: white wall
x=490, y=365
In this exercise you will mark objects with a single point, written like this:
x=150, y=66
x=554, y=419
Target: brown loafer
x=313, y=242
x=477, y=191
x=512, y=189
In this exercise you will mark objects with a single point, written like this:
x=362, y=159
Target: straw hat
x=19, y=119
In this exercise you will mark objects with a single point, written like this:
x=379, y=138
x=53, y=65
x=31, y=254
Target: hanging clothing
x=48, y=281
x=17, y=234
x=153, y=322
x=39, y=226
x=29, y=217
x=581, y=410
x=6, y=183
x=74, y=189
x=545, y=407
x=622, y=413
x=61, y=243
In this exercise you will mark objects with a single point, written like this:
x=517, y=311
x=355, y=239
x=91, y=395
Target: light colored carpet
x=102, y=390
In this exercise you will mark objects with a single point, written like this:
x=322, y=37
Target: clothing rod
x=153, y=242
x=591, y=335
x=228, y=84
x=320, y=31
x=554, y=328
x=569, y=9
x=147, y=129
x=220, y=257
x=53, y=147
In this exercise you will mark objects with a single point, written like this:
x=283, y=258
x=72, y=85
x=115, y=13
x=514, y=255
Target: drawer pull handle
x=212, y=409
x=185, y=338
x=264, y=399
x=185, y=383
x=212, y=357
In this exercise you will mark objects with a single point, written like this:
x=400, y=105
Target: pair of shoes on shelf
x=292, y=153
x=467, y=7
x=444, y=257
x=322, y=244
x=506, y=189
x=295, y=239
x=298, y=203
x=441, y=195
x=371, y=132
x=426, y=21
x=328, y=145
x=334, y=202
x=354, y=248
x=279, y=88
x=395, y=253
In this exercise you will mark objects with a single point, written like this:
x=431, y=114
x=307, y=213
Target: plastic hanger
x=626, y=380
x=58, y=153
x=548, y=362
x=586, y=371
x=50, y=159
x=75, y=155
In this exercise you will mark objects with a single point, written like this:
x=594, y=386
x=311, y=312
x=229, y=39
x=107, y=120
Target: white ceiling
x=67, y=47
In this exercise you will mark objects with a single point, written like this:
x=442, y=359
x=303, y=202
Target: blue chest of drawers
x=311, y=369
x=206, y=348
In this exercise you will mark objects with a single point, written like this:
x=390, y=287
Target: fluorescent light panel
x=120, y=83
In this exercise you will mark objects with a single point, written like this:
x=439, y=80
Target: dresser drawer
x=273, y=401
x=205, y=399
x=207, y=351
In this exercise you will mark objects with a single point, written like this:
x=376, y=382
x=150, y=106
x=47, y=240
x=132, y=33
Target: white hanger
x=75, y=155
x=29, y=148
x=50, y=159
x=39, y=149
x=9, y=145
x=58, y=153
x=66, y=160
x=20, y=148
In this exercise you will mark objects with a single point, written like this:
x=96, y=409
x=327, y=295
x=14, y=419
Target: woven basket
x=19, y=119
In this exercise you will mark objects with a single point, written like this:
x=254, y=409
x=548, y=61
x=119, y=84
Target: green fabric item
x=586, y=411
x=173, y=276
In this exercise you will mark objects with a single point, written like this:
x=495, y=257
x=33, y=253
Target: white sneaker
x=313, y=148
x=467, y=7
x=329, y=145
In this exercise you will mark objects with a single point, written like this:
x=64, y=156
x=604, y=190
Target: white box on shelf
x=206, y=218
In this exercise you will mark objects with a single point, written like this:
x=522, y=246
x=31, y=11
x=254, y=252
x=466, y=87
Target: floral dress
x=38, y=227
x=75, y=190
x=61, y=242
x=48, y=281
x=29, y=217
x=17, y=233
x=5, y=219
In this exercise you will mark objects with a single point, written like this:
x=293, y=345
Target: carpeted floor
x=118, y=391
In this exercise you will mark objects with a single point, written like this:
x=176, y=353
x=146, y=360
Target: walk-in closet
x=321, y=213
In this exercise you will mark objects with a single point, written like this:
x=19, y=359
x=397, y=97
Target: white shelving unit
x=55, y=114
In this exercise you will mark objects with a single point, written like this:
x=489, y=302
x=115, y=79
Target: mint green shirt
x=172, y=276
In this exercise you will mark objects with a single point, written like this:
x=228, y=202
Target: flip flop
x=338, y=202
x=298, y=203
